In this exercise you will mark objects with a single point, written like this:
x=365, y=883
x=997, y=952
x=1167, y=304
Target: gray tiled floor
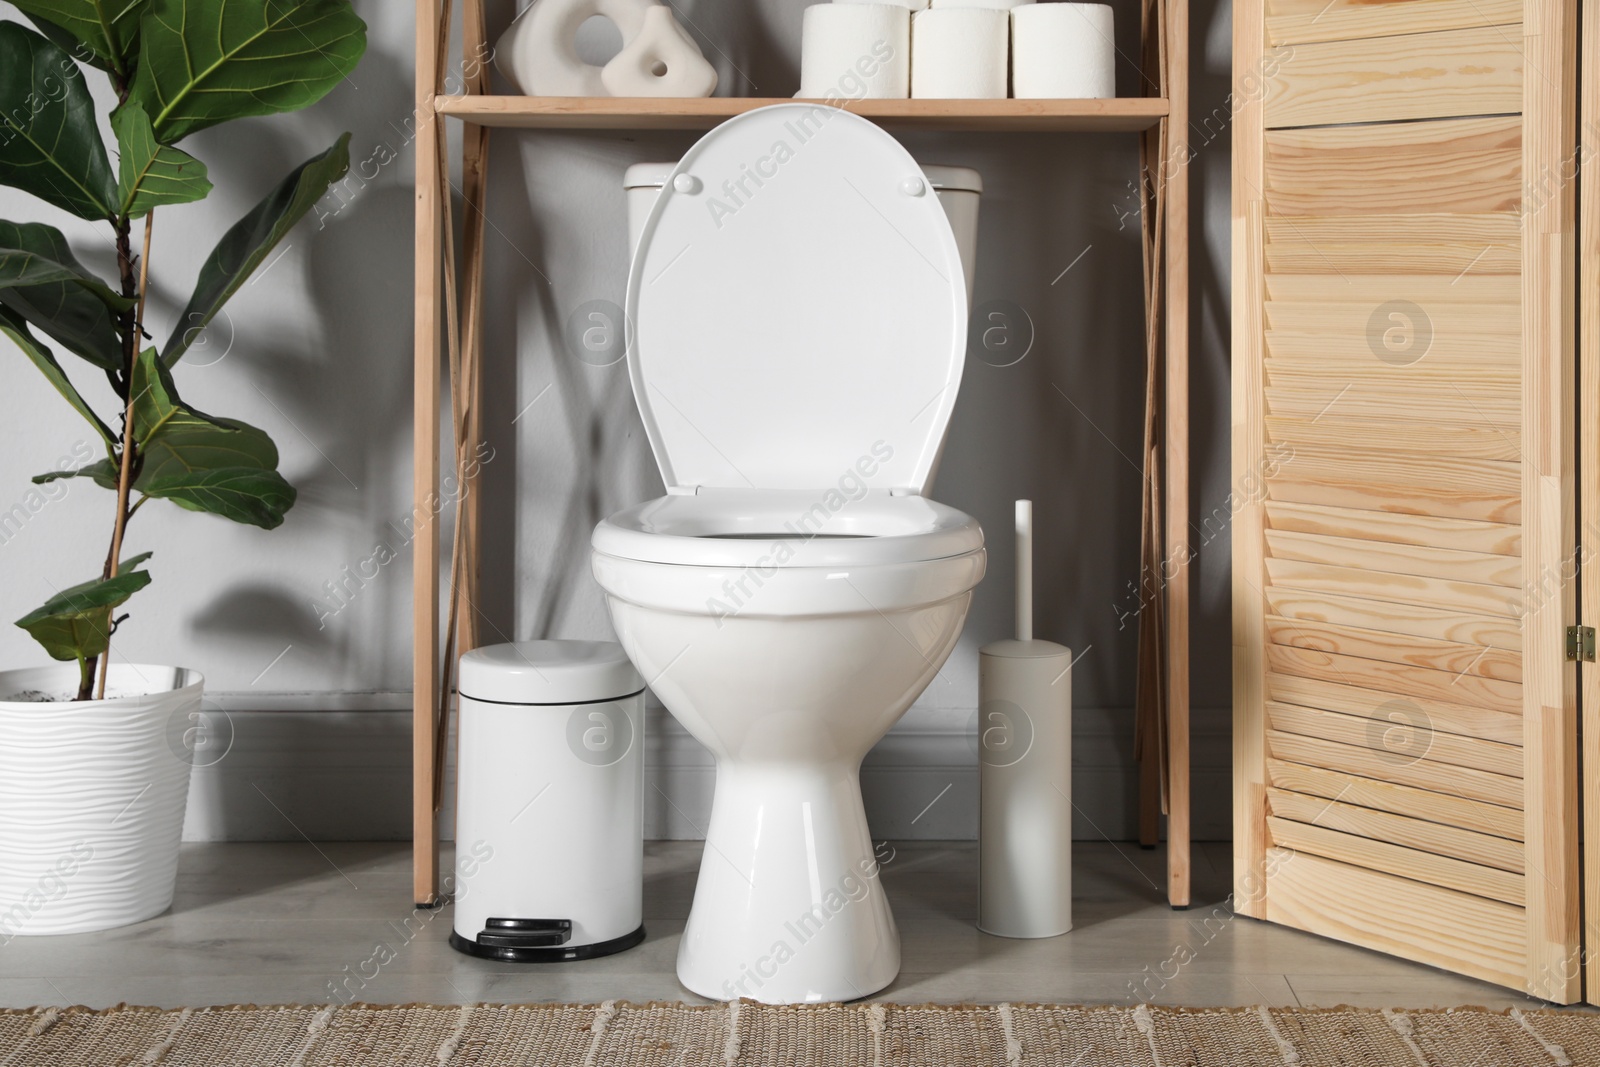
x=287, y=923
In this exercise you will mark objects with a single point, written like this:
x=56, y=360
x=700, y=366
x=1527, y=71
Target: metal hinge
x=1580, y=643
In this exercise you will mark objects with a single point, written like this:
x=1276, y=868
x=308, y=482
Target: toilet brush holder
x=1025, y=772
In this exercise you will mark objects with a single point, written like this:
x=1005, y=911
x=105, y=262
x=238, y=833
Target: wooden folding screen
x=1406, y=743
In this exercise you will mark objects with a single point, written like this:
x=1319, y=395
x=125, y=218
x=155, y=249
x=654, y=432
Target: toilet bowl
x=798, y=304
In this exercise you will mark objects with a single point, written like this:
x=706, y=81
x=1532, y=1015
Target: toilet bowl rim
x=870, y=529
x=787, y=593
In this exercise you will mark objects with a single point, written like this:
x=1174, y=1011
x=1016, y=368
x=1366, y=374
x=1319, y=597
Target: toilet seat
x=798, y=309
x=740, y=529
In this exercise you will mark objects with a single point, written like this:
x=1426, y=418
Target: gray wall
x=317, y=351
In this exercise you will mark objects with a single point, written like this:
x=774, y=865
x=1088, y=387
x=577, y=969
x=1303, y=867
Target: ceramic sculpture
x=661, y=60
x=539, y=55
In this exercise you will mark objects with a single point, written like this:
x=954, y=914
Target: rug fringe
x=1145, y=1023
x=1553, y=1050
x=313, y=1031
x=1013, y=1046
x=448, y=1047
x=1403, y=1026
x=47, y=1018
x=1290, y=1054
x=877, y=1023
x=159, y=1053
x=730, y=1047
x=602, y=1019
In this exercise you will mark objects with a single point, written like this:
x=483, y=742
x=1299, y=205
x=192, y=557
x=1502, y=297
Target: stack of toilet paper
x=956, y=50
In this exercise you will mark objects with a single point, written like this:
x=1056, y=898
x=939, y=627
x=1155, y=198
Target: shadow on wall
x=1210, y=177
x=567, y=416
x=332, y=380
x=755, y=47
x=265, y=615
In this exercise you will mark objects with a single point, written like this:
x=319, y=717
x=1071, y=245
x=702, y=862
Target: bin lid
x=549, y=672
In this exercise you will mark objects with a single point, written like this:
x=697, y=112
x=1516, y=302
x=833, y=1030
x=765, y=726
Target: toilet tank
x=958, y=187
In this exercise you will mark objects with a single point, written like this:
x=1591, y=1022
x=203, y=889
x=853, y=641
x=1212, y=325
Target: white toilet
x=799, y=307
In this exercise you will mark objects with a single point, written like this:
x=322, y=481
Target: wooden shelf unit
x=449, y=324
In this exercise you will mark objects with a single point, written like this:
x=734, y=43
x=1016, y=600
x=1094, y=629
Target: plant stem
x=130, y=348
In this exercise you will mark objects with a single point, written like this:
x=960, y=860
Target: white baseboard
x=311, y=766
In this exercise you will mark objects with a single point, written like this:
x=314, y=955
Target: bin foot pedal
x=537, y=941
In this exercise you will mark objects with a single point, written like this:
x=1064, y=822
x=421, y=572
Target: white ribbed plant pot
x=92, y=797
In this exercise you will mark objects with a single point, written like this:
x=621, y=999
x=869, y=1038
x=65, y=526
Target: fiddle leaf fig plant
x=174, y=67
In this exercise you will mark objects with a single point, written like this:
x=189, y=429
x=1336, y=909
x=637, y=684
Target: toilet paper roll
x=960, y=53
x=910, y=5
x=1063, y=52
x=1002, y=5
x=855, y=52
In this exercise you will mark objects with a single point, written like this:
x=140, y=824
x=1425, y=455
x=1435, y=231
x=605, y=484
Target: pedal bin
x=549, y=809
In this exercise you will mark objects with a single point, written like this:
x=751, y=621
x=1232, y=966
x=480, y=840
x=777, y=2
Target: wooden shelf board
x=1123, y=114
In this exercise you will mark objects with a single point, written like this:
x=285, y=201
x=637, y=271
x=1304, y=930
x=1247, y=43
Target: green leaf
x=199, y=461
x=12, y=325
x=75, y=624
x=104, y=472
x=41, y=280
x=150, y=173
x=49, y=141
x=202, y=62
x=32, y=253
x=189, y=442
x=245, y=495
x=66, y=42
x=244, y=247
x=174, y=436
x=62, y=475
x=106, y=31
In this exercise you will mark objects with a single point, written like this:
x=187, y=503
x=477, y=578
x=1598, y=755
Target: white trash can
x=549, y=810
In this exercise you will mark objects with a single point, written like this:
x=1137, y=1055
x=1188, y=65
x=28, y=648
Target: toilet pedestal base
x=789, y=907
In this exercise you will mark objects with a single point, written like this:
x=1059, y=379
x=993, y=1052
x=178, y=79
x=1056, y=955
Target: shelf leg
x=1177, y=453
x=425, y=474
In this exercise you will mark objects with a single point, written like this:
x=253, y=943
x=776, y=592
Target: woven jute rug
x=616, y=1034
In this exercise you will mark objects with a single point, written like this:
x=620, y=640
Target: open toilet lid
x=798, y=309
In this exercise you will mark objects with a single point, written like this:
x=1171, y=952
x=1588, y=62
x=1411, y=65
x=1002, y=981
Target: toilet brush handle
x=1024, y=570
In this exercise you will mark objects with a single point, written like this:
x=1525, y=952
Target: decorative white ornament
x=539, y=55
x=660, y=60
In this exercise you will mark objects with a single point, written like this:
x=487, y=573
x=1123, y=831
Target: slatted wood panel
x=1405, y=732
x=1305, y=21
x=1418, y=802
x=1429, y=746
x=1401, y=916
x=1415, y=76
x=1474, y=847
x=1461, y=659
x=1363, y=170
x=1441, y=717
